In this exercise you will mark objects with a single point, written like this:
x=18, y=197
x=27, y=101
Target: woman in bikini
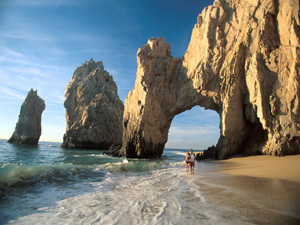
x=187, y=162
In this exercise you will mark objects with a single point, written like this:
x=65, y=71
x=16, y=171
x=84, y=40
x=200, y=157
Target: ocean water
x=50, y=185
x=47, y=184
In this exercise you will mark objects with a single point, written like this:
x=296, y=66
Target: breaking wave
x=12, y=175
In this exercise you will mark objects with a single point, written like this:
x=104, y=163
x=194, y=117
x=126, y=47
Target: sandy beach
x=253, y=190
x=284, y=168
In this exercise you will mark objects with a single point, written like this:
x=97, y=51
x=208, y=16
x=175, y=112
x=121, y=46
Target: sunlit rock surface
x=94, y=110
x=243, y=62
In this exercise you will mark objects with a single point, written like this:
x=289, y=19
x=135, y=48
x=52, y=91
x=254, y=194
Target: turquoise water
x=49, y=163
x=46, y=184
x=35, y=178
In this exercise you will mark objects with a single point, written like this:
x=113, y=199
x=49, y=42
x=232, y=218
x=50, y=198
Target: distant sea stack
x=94, y=111
x=243, y=61
x=28, y=128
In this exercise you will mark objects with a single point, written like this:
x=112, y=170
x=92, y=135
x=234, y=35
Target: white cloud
x=193, y=130
x=11, y=94
x=26, y=35
x=30, y=71
x=12, y=53
x=19, y=73
x=17, y=58
x=7, y=55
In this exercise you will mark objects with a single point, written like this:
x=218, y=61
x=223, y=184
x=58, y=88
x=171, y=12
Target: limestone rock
x=94, y=110
x=114, y=150
x=149, y=106
x=28, y=128
x=243, y=62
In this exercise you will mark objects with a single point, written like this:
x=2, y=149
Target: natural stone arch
x=151, y=106
x=243, y=62
x=164, y=90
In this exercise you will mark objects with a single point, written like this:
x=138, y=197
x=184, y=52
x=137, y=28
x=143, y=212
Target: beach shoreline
x=264, y=166
x=253, y=190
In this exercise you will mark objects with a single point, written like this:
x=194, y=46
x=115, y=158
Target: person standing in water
x=187, y=162
x=192, y=161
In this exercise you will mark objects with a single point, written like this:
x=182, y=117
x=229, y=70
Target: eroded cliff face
x=243, y=62
x=94, y=111
x=28, y=128
x=147, y=115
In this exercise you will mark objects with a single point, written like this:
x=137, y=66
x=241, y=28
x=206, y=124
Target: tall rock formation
x=94, y=110
x=152, y=104
x=28, y=128
x=243, y=62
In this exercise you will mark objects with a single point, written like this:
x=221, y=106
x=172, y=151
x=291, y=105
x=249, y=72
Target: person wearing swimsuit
x=192, y=161
x=187, y=162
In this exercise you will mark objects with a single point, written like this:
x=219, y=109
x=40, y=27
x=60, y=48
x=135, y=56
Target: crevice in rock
x=255, y=138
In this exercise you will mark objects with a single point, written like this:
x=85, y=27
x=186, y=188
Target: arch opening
x=196, y=128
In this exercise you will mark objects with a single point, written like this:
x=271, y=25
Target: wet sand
x=251, y=190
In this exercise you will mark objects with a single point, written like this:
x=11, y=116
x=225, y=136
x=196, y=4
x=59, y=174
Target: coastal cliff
x=94, y=110
x=243, y=62
x=28, y=128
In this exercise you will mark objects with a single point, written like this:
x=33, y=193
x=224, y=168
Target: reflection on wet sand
x=250, y=198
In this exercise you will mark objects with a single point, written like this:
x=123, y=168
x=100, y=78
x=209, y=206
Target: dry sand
x=284, y=168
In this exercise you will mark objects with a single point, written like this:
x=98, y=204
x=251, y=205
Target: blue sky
x=43, y=41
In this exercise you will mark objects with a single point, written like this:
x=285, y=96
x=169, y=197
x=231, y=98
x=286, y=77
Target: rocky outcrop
x=28, y=128
x=94, y=110
x=151, y=105
x=114, y=150
x=243, y=62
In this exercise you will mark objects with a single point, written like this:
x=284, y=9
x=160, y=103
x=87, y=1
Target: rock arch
x=162, y=91
x=241, y=62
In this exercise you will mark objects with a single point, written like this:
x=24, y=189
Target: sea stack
x=28, y=128
x=94, y=111
x=243, y=62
